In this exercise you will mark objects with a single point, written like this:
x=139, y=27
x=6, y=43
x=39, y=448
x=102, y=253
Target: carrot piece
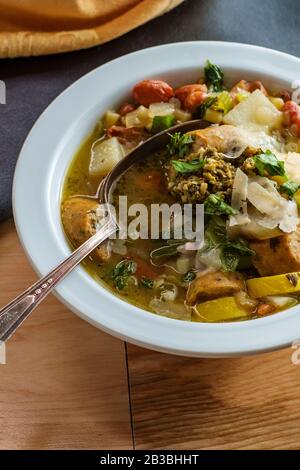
x=150, y=181
x=265, y=309
x=144, y=268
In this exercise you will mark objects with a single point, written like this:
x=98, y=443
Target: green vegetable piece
x=182, y=166
x=120, y=282
x=216, y=230
x=268, y=162
x=189, y=276
x=161, y=123
x=200, y=111
x=289, y=188
x=122, y=271
x=223, y=103
x=148, y=283
x=166, y=250
x=180, y=144
x=239, y=247
x=215, y=205
x=213, y=76
x=233, y=254
x=230, y=260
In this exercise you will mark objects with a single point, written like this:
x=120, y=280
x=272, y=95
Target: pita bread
x=32, y=27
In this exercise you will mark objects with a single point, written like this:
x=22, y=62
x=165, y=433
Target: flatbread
x=35, y=27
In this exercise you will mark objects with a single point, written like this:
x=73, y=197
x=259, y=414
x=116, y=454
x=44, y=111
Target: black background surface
x=31, y=84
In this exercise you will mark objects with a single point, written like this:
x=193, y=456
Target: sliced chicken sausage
x=224, y=138
x=213, y=285
x=80, y=218
x=277, y=255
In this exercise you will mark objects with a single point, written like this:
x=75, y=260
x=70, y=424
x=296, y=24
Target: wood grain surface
x=65, y=386
x=242, y=403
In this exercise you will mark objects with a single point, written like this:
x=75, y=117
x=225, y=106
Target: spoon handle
x=14, y=313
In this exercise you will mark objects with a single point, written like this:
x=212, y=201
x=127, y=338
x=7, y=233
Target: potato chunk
x=105, y=155
x=80, y=217
x=213, y=285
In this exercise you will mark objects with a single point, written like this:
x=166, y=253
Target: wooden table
x=67, y=385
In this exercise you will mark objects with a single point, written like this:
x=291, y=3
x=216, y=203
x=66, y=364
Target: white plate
x=45, y=158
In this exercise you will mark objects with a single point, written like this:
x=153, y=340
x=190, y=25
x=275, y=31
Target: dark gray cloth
x=33, y=83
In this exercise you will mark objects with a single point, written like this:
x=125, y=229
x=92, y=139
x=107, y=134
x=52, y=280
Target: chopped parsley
x=213, y=76
x=180, y=144
x=189, y=276
x=233, y=253
x=182, y=166
x=122, y=271
x=149, y=283
x=289, y=187
x=215, y=205
x=268, y=163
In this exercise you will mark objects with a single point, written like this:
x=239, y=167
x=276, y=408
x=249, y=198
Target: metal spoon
x=14, y=313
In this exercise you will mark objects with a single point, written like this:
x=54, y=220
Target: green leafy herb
x=120, y=282
x=268, y=162
x=180, y=144
x=200, y=111
x=213, y=76
x=161, y=123
x=122, y=271
x=239, y=247
x=230, y=260
x=233, y=254
x=215, y=230
x=289, y=188
x=149, y=283
x=182, y=166
x=215, y=205
x=189, y=276
x=170, y=249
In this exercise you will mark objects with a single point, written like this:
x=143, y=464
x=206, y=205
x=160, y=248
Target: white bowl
x=45, y=158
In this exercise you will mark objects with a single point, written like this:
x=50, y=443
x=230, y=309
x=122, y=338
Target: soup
x=245, y=171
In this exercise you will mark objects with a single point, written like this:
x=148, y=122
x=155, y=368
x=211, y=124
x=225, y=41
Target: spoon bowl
x=151, y=145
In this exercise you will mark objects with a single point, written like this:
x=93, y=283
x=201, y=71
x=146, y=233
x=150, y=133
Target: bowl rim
x=44, y=241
